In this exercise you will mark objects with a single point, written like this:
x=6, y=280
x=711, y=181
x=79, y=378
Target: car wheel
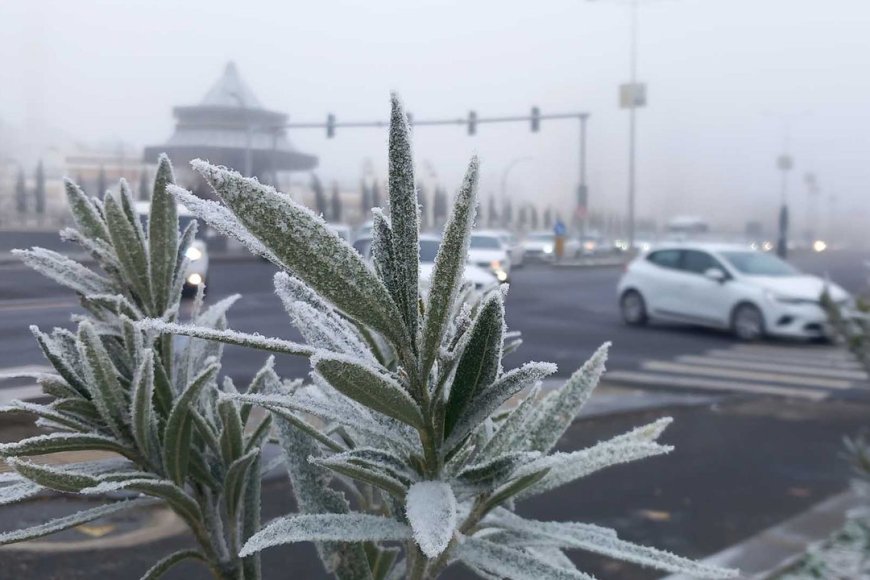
x=747, y=323
x=633, y=308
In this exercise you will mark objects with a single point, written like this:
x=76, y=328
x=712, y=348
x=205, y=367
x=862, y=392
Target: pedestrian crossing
x=804, y=371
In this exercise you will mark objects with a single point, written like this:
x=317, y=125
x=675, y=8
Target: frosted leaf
x=370, y=385
x=222, y=220
x=486, y=475
x=65, y=271
x=567, y=467
x=511, y=427
x=71, y=521
x=404, y=217
x=512, y=563
x=308, y=248
x=449, y=266
x=180, y=502
x=558, y=409
x=70, y=422
x=367, y=473
x=604, y=541
x=162, y=236
x=319, y=324
x=226, y=336
x=131, y=253
x=54, y=442
x=431, y=510
x=86, y=212
x=494, y=396
x=313, y=496
x=479, y=365
x=351, y=527
x=106, y=391
x=17, y=491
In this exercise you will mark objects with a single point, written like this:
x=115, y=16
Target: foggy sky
x=721, y=76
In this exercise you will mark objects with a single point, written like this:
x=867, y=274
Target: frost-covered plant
x=153, y=404
x=406, y=413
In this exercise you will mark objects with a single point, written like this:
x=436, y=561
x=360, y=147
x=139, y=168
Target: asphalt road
x=741, y=464
x=564, y=314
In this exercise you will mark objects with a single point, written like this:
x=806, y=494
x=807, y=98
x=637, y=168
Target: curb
x=776, y=549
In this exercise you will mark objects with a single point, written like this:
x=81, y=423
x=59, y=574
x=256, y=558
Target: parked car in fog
x=514, y=248
x=727, y=286
x=487, y=250
x=482, y=280
x=539, y=246
x=196, y=273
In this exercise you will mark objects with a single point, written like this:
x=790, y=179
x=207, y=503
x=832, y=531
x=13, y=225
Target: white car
x=487, y=250
x=480, y=278
x=514, y=247
x=727, y=286
x=539, y=246
x=196, y=254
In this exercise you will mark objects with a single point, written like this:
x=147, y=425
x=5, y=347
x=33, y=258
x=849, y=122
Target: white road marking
x=762, y=377
x=754, y=365
x=827, y=352
x=676, y=381
x=794, y=358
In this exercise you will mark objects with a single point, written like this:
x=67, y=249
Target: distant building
x=231, y=127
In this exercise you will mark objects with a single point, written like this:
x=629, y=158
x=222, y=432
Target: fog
x=726, y=80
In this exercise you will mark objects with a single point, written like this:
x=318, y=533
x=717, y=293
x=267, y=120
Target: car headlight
x=193, y=254
x=194, y=279
x=495, y=264
x=774, y=297
x=548, y=249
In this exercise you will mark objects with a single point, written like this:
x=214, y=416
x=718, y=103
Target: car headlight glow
x=193, y=254
x=548, y=249
x=820, y=246
x=194, y=279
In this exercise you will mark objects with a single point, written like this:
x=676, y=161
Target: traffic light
x=472, y=122
x=536, y=119
x=330, y=126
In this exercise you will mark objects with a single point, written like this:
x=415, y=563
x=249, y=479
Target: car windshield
x=540, y=237
x=428, y=250
x=485, y=243
x=759, y=264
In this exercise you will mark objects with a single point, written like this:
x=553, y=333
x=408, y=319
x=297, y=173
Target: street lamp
x=631, y=96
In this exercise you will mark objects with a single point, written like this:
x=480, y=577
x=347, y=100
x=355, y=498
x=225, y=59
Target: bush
x=402, y=451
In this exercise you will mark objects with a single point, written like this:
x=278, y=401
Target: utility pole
x=785, y=164
x=582, y=190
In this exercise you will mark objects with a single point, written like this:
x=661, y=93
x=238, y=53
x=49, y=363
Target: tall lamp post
x=632, y=95
x=785, y=163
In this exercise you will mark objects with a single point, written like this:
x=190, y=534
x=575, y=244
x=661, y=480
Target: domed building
x=231, y=127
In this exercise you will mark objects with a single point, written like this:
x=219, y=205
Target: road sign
x=632, y=95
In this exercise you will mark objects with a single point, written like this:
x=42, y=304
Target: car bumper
x=797, y=321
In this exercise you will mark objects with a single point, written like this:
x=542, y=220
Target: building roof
x=231, y=127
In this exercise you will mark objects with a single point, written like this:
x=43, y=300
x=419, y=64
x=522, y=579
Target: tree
x=365, y=199
x=376, y=194
x=39, y=190
x=492, y=214
x=548, y=218
x=21, y=193
x=144, y=189
x=533, y=217
x=102, y=184
x=336, y=203
x=319, y=196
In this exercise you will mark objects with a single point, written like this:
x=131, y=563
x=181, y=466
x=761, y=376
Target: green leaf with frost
x=179, y=425
x=370, y=386
x=131, y=252
x=71, y=521
x=564, y=468
x=350, y=527
x=66, y=420
x=513, y=563
x=165, y=564
x=65, y=271
x=511, y=427
x=52, y=477
x=88, y=217
x=449, y=267
x=55, y=354
x=557, y=410
x=227, y=337
x=236, y=481
x=54, y=442
x=308, y=248
x=363, y=473
x=404, y=218
x=480, y=363
x=163, y=236
x=106, y=392
x=18, y=490
x=491, y=398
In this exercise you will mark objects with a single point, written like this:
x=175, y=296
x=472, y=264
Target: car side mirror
x=715, y=274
